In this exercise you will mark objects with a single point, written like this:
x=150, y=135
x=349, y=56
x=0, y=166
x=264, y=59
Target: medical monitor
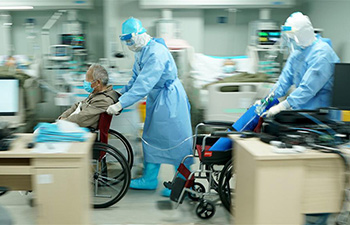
x=268, y=37
x=341, y=86
x=9, y=94
x=77, y=41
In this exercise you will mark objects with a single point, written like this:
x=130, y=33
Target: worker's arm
x=148, y=77
x=285, y=81
x=319, y=73
x=132, y=80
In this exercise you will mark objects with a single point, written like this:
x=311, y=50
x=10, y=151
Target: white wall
x=5, y=34
x=19, y=35
x=231, y=38
x=333, y=16
x=92, y=22
x=198, y=26
x=191, y=24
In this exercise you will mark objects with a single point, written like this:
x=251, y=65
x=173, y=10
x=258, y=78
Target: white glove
x=257, y=102
x=115, y=109
x=278, y=108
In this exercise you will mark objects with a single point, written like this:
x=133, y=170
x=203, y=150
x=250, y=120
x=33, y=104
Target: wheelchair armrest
x=218, y=123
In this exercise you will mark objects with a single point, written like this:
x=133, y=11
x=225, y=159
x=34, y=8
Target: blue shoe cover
x=166, y=192
x=144, y=184
x=149, y=179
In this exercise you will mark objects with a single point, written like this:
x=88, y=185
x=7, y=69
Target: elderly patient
x=87, y=112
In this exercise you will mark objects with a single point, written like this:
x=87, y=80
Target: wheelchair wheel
x=205, y=209
x=118, y=141
x=199, y=188
x=214, y=176
x=3, y=190
x=111, y=175
x=226, y=185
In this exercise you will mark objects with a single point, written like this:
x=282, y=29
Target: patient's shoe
x=166, y=192
x=149, y=179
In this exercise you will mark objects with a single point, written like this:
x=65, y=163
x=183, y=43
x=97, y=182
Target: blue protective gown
x=168, y=119
x=311, y=71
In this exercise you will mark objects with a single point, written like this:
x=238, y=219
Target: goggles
x=286, y=28
x=128, y=39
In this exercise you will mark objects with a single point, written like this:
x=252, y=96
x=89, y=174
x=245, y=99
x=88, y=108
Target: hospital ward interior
x=136, y=112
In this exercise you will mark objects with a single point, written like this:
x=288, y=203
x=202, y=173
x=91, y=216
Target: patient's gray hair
x=99, y=73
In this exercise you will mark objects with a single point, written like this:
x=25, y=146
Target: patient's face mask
x=229, y=68
x=87, y=86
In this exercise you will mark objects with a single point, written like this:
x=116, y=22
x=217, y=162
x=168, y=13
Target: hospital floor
x=137, y=207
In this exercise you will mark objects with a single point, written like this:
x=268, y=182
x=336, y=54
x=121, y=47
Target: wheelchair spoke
x=110, y=179
x=111, y=175
x=108, y=185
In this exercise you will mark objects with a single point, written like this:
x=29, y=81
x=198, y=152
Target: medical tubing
x=307, y=129
x=167, y=149
x=337, y=140
x=318, y=122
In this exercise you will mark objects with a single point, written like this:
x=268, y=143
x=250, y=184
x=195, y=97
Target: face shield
x=130, y=41
x=127, y=39
x=135, y=42
x=289, y=40
x=298, y=31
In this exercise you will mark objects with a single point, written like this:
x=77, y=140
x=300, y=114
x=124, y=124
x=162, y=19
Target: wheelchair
x=112, y=159
x=215, y=166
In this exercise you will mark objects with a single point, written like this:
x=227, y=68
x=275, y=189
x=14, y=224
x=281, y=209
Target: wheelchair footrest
x=168, y=184
x=177, y=189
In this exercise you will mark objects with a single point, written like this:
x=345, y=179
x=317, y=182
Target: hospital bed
x=222, y=101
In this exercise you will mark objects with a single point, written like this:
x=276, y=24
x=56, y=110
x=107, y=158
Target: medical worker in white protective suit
x=167, y=130
x=310, y=68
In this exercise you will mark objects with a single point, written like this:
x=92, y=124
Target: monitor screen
x=268, y=37
x=61, y=51
x=74, y=40
x=341, y=86
x=9, y=92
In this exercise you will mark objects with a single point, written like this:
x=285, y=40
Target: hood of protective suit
x=140, y=41
x=302, y=29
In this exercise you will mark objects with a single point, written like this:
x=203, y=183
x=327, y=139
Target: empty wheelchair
x=112, y=159
x=211, y=168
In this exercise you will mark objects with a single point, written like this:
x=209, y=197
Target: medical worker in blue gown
x=310, y=68
x=167, y=129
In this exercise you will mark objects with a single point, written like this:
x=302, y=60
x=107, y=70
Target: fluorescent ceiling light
x=7, y=24
x=15, y=7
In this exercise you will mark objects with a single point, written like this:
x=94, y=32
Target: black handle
x=219, y=123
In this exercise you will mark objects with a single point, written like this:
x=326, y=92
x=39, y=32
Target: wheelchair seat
x=211, y=157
